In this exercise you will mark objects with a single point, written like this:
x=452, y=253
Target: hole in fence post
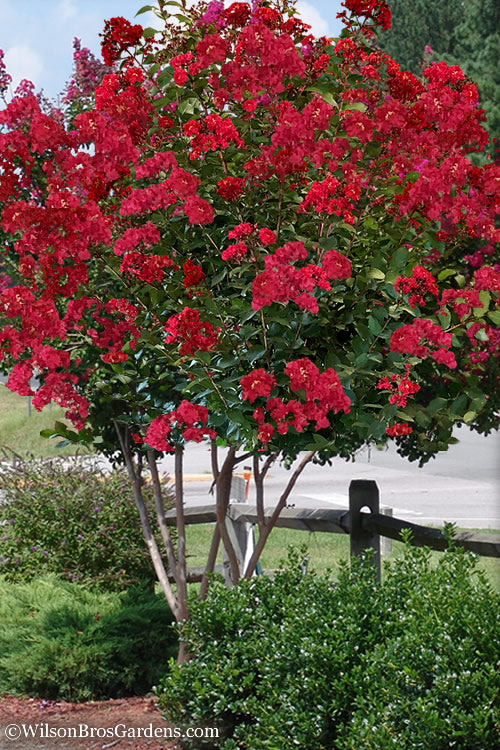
x=364, y=494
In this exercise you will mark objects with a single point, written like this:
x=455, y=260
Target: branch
x=160, y=514
x=268, y=527
x=181, y=532
x=146, y=528
x=222, y=503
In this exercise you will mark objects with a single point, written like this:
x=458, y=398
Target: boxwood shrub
x=300, y=662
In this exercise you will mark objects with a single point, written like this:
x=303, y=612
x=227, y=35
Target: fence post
x=385, y=541
x=238, y=532
x=364, y=493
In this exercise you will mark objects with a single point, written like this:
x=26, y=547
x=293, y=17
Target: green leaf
x=458, y=404
x=376, y=273
x=144, y=9
x=436, y=404
x=374, y=325
x=187, y=106
x=48, y=433
x=370, y=223
x=470, y=416
x=399, y=258
x=355, y=106
x=446, y=273
x=149, y=32
x=485, y=298
x=494, y=316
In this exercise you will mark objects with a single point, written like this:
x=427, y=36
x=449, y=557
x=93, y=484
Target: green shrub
x=61, y=641
x=72, y=520
x=301, y=662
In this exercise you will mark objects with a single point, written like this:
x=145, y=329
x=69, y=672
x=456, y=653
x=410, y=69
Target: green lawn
x=21, y=432
x=325, y=549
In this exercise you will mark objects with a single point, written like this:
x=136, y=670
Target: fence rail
x=365, y=527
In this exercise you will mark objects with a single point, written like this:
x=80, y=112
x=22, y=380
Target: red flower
x=250, y=105
x=114, y=357
x=421, y=282
x=193, y=334
x=119, y=34
x=237, y=252
x=257, y=383
x=267, y=237
x=193, y=274
x=180, y=76
x=336, y=266
x=399, y=429
x=230, y=188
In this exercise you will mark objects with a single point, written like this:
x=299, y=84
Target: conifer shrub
x=61, y=641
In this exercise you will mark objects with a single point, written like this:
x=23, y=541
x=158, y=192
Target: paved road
x=461, y=485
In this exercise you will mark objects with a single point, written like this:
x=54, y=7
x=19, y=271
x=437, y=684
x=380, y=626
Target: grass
x=21, y=432
x=325, y=549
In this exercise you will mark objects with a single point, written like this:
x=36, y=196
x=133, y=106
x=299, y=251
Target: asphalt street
x=460, y=486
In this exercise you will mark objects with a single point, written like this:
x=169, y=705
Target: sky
x=37, y=35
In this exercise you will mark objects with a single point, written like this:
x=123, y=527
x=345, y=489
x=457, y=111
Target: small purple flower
x=3, y=538
x=79, y=537
x=34, y=548
x=97, y=509
x=45, y=553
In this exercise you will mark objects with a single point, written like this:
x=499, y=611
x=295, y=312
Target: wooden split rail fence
x=363, y=521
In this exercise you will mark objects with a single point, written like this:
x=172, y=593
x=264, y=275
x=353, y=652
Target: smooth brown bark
x=269, y=525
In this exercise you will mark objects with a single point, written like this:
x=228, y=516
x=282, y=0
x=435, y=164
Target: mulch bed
x=59, y=716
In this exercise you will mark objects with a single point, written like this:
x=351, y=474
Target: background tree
x=461, y=33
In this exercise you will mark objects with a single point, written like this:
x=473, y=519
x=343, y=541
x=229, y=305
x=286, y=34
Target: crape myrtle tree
x=253, y=237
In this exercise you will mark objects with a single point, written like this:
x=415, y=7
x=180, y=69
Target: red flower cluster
x=400, y=386
x=239, y=250
x=114, y=357
x=408, y=340
x=211, y=49
x=230, y=188
x=193, y=334
x=148, y=268
x=193, y=274
x=420, y=283
x=462, y=301
x=119, y=34
x=336, y=266
x=210, y=134
x=321, y=393
x=377, y=11
x=148, y=235
x=396, y=430
x=237, y=14
x=283, y=282
x=332, y=197
x=188, y=419
x=257, y=383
